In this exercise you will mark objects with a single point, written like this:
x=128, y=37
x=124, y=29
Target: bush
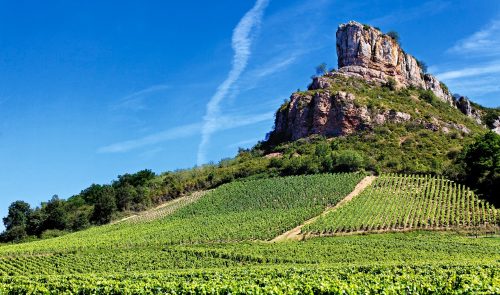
x=428, y=96
x=348, y=161
x=394, y=35
x=422, y=65
x=53, y=233
x=391, y=84
x=321, y=69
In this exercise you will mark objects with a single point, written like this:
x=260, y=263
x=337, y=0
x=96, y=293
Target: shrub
x=394, y=35
x=348, y=161
x=53, y=233
x=444, y=87
x=428, y=96
x=391, y=84
x=422, y=65
x=321, y=69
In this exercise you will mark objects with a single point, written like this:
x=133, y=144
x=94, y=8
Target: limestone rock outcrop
x=496, y=126
x=366, y=52
x=464, y=105
x=329, y=115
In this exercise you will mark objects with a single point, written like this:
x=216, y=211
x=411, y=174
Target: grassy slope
x=406, y=147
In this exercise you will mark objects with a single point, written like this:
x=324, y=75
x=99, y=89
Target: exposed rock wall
x=366, y=52
x=336, y=114
x=463, y=104
x=329, y=115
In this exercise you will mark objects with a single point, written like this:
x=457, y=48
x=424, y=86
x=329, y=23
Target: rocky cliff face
x=336, y=113
x=366, y=52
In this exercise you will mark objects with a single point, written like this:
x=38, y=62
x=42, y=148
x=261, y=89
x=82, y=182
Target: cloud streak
x=484, y=42
x=492, y=68
x=241, y=43
x=183, y=131
x=170, y=134
x=134, y=101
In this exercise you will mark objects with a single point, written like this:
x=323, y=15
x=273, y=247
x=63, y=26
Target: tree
x=105, y=205
x=91, y=193
x=394, y=35
x=321, y=69
x=19, y=212
x=125, y=196
x=15, y=234
x=480, y=162
x=422, y=66
x=348, y=161
x=56, y=214
x=137, y=179
x=36, y=222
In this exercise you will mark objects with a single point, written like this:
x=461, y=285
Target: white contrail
x=241, y=42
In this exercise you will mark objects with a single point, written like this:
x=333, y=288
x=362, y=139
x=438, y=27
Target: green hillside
x=218, y=243
x=251, y=210
x=404, y=202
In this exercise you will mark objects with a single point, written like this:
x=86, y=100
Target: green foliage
x=440, y=262
x=409, y=202
x=242, y=210
x=16, y=233
x=462, y=279
x=394, y=35
x=391, y=84
x=480, y=162
x=105, y=205
x=126, y=195
x=56, y=214
x=19, y=212
x=429, y=96
x=53, y=233
x=348, y=161
x=443, y=86
x=423, y=66
x=321, y=69
x=137, y=179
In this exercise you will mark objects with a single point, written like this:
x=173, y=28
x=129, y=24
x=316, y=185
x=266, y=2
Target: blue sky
x=93, y=89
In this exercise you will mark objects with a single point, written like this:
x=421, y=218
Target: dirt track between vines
x=295, y=233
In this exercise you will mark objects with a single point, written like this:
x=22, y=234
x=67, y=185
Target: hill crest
x=331, y=107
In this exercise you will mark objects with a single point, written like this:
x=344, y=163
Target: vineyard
x=407, y=248
x=218, y=242
x=250, y=210
x=419, y=260
x=402, y=202
x=165, y=209
x=279, y=280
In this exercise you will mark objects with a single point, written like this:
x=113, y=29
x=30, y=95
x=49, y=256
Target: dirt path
x=294, y=234
x=164, y=209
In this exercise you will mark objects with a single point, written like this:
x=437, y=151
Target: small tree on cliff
x=422, y=65
x=394, y=35
x=321, y=69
